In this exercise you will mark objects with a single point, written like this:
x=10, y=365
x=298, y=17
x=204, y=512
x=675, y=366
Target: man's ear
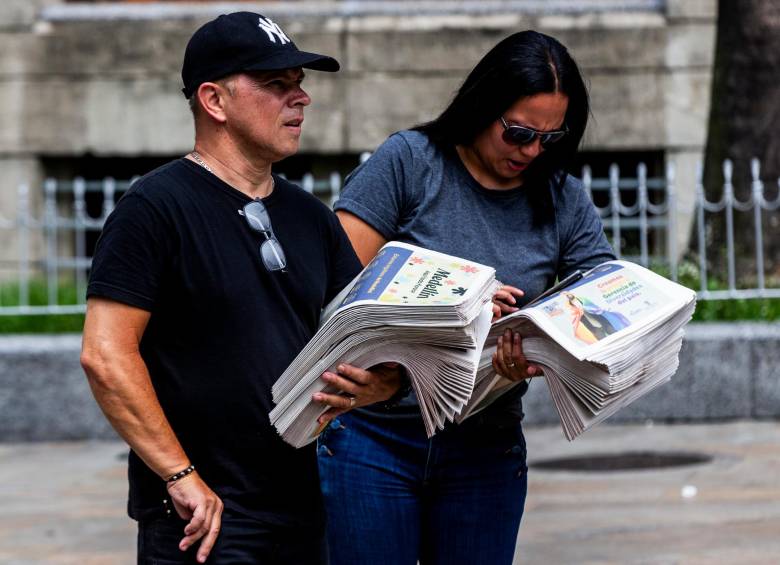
x=211, y=97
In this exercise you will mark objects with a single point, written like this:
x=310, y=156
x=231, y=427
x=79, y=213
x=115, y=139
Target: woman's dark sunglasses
x=521, y=135
x=270, y=250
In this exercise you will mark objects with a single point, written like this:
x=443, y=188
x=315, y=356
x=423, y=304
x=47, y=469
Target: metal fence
x=48, y=243
x=661, y=217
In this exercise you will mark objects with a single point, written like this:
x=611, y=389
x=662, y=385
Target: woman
x=484, y=181
x=590, y=321
x=583, y=331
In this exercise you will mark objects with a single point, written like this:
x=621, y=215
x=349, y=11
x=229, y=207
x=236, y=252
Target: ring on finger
x=352, y=401
x=510, y=365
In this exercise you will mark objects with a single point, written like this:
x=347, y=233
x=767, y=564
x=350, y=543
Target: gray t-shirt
x=414, y=191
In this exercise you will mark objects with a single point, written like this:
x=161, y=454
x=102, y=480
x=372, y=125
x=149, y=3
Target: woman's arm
x=364, y=239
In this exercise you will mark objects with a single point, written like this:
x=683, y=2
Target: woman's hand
x=504, y=301
x=509, y=361
x=358, y=387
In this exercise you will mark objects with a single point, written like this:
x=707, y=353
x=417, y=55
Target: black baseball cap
x=243, y=41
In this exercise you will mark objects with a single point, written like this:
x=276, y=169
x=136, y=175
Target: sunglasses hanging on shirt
x=271, y=250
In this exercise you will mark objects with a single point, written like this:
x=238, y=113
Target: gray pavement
x=64, y=503
x=731, y=514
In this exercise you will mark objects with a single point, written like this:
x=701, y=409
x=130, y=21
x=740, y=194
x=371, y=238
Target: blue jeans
x=242, y=541
x=394, y=497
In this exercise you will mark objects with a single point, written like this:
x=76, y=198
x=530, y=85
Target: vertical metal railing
x=50, y=228
x=727, y=205
x=23, y=232
x=642, y=201
x=53, y=244
x=701, y=231
x=79, y=228
x=615, y=205
x=757, y=191
x=671, y=219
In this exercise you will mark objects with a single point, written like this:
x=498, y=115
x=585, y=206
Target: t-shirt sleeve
x=377, y=191
x=583, y=242
x=131, y=255
x=345, y=264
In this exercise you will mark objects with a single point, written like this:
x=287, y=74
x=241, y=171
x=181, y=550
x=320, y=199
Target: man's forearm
x=124, y=391
x=122, y=386
x=120, y=381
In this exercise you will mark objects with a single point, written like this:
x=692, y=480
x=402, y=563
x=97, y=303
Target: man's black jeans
x=242, y=541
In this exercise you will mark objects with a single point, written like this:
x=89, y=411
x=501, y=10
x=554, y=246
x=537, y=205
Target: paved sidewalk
x=731, y=514
x=64, y=503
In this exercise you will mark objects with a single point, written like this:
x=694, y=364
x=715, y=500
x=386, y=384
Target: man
x=208, y=279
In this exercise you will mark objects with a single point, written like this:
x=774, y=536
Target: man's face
x=265, y=112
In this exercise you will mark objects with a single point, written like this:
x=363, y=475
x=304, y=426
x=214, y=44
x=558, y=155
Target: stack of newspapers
x=428, y=311
x=602, y=341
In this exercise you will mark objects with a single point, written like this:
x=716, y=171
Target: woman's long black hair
x=523, y=64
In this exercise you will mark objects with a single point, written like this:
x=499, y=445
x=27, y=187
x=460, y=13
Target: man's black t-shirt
x=223, y=328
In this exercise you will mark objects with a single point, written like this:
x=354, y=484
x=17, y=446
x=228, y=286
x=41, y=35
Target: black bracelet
x=400, y=394
x=181, y=474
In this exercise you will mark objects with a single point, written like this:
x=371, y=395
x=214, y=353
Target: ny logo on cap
x=272, y=30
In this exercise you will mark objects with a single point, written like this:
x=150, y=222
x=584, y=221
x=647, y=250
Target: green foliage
x=42, y=324
x=756, y=309
x=39, y=323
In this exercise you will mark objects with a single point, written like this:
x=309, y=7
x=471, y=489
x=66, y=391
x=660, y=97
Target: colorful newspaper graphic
x=606, y=300
x=399, y=275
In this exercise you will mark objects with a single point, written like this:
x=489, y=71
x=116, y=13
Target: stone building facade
x=94, y=88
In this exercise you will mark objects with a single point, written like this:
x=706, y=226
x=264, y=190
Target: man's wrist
x=188, y=470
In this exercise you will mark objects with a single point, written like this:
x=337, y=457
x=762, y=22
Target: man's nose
x=300, y=98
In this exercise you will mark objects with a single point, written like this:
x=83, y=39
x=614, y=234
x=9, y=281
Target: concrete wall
x=111, y=86
x=108, y=84
x=103, y=79
x=727, y=371
x=43, y=392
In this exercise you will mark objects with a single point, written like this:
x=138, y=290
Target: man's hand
x=196, y=502
x=509, y=360
x=358, y=388
x=504, y=301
